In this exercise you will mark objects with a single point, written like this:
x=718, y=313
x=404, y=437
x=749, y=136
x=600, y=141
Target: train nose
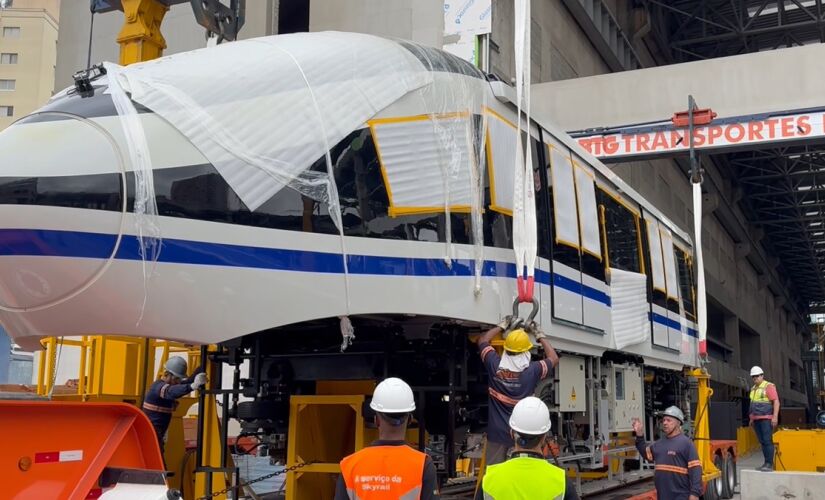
x=62, y=208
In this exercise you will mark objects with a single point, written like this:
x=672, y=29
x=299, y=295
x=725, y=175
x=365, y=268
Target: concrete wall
x=421, y=21
x=34, y=72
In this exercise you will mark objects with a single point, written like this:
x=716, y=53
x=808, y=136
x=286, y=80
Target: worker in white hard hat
x=161, y=398
x=527, y=474
x=389, y=468
x=678, y=470
x=764, y=414
x=510, y=378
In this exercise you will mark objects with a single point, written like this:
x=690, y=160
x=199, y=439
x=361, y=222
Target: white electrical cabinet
x=626, y=396
x=571, y=389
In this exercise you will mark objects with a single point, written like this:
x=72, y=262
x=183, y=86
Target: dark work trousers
x=764, y=433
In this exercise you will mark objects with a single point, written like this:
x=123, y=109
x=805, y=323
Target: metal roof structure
x=703, y=29
x=782, y=189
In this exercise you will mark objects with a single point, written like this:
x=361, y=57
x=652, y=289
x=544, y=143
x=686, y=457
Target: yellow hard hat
x=517, y=341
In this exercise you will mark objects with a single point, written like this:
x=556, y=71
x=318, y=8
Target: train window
x=686, y=282
x=97, y=191
x=622, y=234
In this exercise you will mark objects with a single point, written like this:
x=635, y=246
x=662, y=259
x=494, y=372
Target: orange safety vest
x=384, y=472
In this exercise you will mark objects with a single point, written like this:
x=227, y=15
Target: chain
x=258, y=479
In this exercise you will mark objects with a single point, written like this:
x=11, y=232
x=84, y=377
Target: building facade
x=28, y=38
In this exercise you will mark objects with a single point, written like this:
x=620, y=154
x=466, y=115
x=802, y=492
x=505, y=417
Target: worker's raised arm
x=641, y=444
x=549, y=352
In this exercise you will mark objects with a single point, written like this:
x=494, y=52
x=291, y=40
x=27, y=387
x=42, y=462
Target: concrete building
x=28, y=37
x=756, y=316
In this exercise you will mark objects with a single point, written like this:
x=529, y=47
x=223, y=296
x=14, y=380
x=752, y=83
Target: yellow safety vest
x=524, y=478
x=760, y=403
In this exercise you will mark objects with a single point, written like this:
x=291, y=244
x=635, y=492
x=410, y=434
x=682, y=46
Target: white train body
x=70, y=261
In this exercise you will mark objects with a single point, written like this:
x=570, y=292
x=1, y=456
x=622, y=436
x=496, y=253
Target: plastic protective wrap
x=146, y=209
x=266, y=113
x=629, y=313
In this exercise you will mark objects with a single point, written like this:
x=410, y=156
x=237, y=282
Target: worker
x=678, y=470
x=160, y=400
x=527, y=474
x=764, y=414
x=388, y=468
x=511, y=378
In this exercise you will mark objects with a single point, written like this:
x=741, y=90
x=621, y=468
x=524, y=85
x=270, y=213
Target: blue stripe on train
x=672, y=323
x=53, y=243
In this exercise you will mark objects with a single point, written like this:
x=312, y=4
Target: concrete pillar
x=732, y=338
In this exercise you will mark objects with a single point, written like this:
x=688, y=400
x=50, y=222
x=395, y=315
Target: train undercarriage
x=592, y=399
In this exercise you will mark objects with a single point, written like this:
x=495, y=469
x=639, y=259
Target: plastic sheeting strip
x=656, y=263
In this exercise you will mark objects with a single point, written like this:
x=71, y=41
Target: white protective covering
x=628, y=295
x=565, y=210
x=502, y=146
x=411, y=155
x=588, y=211
x=656, y=263
x=670, y=264
x=277, y=104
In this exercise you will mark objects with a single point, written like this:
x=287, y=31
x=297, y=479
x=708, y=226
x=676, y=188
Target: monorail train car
x=272, y=278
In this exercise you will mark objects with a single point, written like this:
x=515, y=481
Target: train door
x=664, y=296
x=578, y=280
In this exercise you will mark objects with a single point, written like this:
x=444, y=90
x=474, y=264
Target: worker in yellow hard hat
x=511, y=378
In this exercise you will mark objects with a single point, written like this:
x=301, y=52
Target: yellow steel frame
x=701, y=424
x=140, y=38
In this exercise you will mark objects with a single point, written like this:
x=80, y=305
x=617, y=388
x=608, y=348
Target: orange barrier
x=60, y=449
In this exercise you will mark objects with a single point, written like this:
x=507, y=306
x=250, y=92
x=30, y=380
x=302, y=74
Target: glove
x=533, y=328
x=510, y=323
x=200, y=381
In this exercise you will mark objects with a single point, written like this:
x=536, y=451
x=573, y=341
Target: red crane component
x=700, y=117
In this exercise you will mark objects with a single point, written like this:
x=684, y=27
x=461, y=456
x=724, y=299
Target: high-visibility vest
x=524, y=478
x=760, y=403
x=384, y=472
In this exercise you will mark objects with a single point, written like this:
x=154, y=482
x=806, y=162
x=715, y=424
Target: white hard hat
x=176, y=366
x=393, y=395
x=530, y=416
x=756, y=371
x=676, y=413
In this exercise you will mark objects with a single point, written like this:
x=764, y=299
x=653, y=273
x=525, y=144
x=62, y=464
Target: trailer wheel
x=732, y=479
x=711, y=490
x=720, y=483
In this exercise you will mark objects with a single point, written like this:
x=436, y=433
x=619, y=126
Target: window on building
x=8, y=58
x=6, y=111
x=11, y=32
x=622, y=234
x=7, y=84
